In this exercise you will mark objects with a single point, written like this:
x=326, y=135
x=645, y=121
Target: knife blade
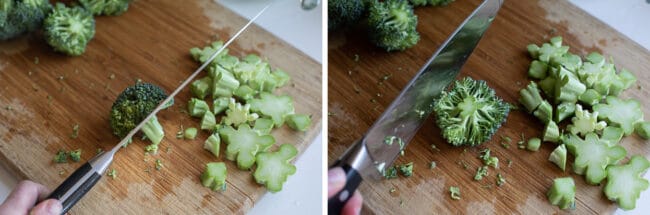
x=72, y=189
x=376, y=150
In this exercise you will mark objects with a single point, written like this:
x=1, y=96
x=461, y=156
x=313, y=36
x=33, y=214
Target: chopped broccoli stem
x=642, y=129
x=481, y=172
x=537, y=69
x=534, y=144
x=106, y=7
x=299, y=122
x=627, y=78
x=454, y=192
x=275, y=107
x=273, y=168
x=500, y=180
x=197, y=107
x=551, y=132
x=612, y=135
x=625, y=182
x=392, y=25
x=212, y=144
x=562, y=193
x=585, y=122
x=544, y=112
x=569, y=61
x=530, y=97
x=622, y=113
x=75, y=155
x=470, y=113
x=263, y=126
x=201, y=87
x=568, y=88
x=220, y=104
x=69, y=29
x=564, y=110
x=281, y=77
x=558, y=156
x=190, y=133
x=592, y=156
x=238, y=114
x=61, y=157
x=209, y=121
x=243, y=144
x=244, y=92
x=214, y=176
x=406, y=169
x=590, y=97
x=112, y=174
x=153, y=130
x=223, y=84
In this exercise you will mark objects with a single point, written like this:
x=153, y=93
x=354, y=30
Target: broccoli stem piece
x=244, y=92
x=500, y=180
x=530, y=97
x=263, y=126
x=214, y=176
x=551, y=132
x=273, y=168
x=558, y=156
x=590, y=97
x=212, y=144
x=223, y=84
x=534, y=144
x=299, y=122
x=568, y=88
x=625, y=182
x=642, y=129
x=544, y=112
x=243, y=144
x=612, y=134
x=153, y=130
x=201, y=87
x=238, y=114
x=341, y=13
x=197, y=107
x=538, y=70
x=454, y=192
x=69, y=30
x=190, y=133
x=562, y=193
x=564, y=110
x=275, y=107
x=585, y=122
x=220, y=104
x=209, y=121
x=622, y=113
x=592, y=156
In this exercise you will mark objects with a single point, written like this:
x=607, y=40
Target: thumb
x=335, y=181
x=47, y=207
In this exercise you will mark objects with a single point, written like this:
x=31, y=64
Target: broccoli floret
x=243, y=144
x=470, y=112
x=392, y=25
x=214, y=176
x=585, y=122
x=133, y=105
x=273, y=168
x=625, y=182
x=592, y=156
x=563, y=193
x=622, y=113
x=213, y=144
x=430, y=2
x=21, y=16
x=237, y=114
x=275, y=107
x=69, y=29
x=61, y=157
x=341, y=13
x=75, y=155
x=106, y=7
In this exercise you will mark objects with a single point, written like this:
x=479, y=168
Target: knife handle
x=338, y=201
x=75, y=186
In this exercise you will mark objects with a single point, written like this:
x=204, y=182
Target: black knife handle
x=77, y=185
x=338, y=201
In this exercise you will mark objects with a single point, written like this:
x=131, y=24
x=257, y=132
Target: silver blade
x=186, y=82
x=409, y=110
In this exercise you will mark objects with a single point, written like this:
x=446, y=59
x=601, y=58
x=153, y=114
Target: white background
x=302, y=193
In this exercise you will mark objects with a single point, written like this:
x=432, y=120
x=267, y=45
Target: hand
x=336, y=182
x=23, y=198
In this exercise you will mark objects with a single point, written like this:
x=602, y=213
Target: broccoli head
x=430, y=2
x=470, y=113
x=392, y=24
x=19, y=17
x=106, y=7
x=343, y=12
x=69, y=29
x=133, y=105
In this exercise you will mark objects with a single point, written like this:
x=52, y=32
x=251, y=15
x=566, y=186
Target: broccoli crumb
x=463, y=164
x=454, y=192
x=61, y=172
x=36, y=60
x=434, y=147
x=100, y=150
x=356, y=58
x=112, y=174
x=392, y=190
x=159, y=164
x=432, y=165
x=406, y=169
x=75, y=131
x=330, y=114
x=75, y=155
x=509, y=163
x=487, y=186
x=500, y=180
x=61, y=157
x=480, y=173
x=112, y=76
x=390, y=173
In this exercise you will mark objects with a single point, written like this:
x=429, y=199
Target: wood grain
x=149, y=42
x=500, y=59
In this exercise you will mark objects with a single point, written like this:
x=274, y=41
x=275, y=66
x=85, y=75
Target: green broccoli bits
x=197, y=107
x=214, y=176
x=534, y=144
x=209, y=121
x=625, y=182
x=243, y=144
x=275, y=107
x=558, y=156
x=563, y=193
x=273, y=168
x=106, y=7
x=69, y=29
x=299, y=122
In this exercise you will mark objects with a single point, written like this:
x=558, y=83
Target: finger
x=353, y=207
x=47, y=207
x=25, y=195
x=335, y=181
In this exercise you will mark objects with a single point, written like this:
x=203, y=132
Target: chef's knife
x=379, y=147
x=86, y=176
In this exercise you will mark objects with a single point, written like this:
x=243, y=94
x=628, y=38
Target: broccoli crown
x=343, y=12
x=133, y=105
x=470, y=113
x=392, y=25
x=19, y=17
x=106, y=7
x=69, y=29
x=430, y=2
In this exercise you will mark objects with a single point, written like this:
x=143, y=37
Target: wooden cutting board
x=500, y=59
x=149, y=42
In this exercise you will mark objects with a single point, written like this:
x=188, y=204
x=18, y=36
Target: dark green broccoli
x=69, y=29
x=430, y=2
x=21, y=16
x=343, y=12
x=133, y=105
x=392, y=24
x=470, y=112
x=106, y=7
